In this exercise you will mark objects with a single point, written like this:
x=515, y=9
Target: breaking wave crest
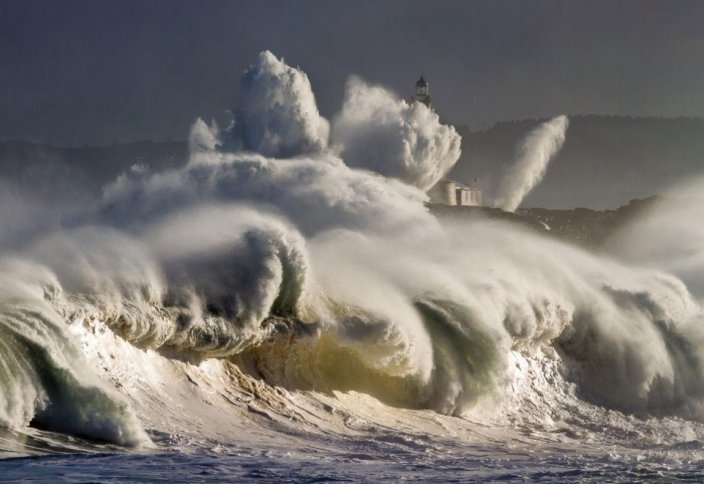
x=43, y=379
x=300, y=272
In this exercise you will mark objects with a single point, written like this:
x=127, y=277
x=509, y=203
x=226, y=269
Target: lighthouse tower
x=423, y=92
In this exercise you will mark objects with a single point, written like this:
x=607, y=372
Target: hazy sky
x=96, y=71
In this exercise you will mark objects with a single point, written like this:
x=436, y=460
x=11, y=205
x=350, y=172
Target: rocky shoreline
x=581, y=226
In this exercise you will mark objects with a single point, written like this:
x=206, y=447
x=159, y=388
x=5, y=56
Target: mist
x=285, y=254
x=533, y=155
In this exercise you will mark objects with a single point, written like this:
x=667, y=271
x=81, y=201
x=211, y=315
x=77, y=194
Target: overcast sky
x=97, y=71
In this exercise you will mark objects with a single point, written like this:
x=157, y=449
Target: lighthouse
x=423, y=92
x=447, y=191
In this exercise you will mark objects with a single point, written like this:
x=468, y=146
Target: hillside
x=605, y=162
x=43, y=168
x=585, y=227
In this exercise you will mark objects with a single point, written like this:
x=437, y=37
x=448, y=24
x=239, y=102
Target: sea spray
x=534, y=153
x=378, y=132
x=310, y=274
x=278, y=116
x=669, y=235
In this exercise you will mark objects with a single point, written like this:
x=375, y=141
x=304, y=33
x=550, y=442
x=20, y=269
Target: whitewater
x=286, y=307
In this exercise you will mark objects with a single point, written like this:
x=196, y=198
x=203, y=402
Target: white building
x=451, y=192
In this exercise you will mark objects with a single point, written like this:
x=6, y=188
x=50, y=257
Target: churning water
x=284, y=307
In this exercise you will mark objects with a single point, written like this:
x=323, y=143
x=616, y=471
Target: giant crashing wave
x=304, y=255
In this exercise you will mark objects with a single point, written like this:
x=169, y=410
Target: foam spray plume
x=270, y=262
x=534, y=154
x=379, y=132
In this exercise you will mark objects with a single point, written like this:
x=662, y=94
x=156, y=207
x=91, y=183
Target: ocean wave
x=260, y=280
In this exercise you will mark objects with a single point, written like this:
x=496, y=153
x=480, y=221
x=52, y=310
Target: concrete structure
x=468, y=196
x=444, y=193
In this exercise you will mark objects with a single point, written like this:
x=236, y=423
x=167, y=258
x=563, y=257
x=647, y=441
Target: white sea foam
x=379, y=132
x=272, y=261
x=534, y=153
